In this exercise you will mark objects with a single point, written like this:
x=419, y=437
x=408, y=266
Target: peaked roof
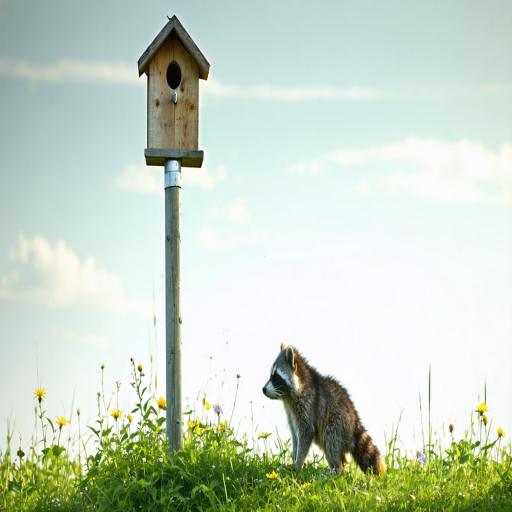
x=175, y=25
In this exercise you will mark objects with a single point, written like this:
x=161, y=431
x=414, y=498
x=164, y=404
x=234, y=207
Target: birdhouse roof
x=174, y=25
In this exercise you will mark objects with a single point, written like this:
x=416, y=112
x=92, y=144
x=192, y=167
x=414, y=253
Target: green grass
x=130, y=469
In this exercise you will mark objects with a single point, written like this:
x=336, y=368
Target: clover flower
x=217, y=409
x=40, y=394
x=62, y=422
x=481, y=408
x=500, y=432
x=116, y=413
x=272, y=476
x=421, y=457
x=162, y=403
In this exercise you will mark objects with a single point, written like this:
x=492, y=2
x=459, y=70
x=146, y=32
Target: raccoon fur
x=319, y=409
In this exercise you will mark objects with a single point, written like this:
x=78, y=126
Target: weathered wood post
x=174, y=65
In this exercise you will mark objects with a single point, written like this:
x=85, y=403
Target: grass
x=130, y=469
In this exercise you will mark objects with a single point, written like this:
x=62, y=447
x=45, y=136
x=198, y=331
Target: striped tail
x=366, y=454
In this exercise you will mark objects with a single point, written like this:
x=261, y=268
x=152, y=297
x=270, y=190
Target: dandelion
x=481, y=408
x=130, y=418
x=264, y=435
x=217, y=409
x=484, y=419
x=162, y=403
x=221, y=425
x=272, y=476
x=500, y=432
x=140, y=368
x=40, y=394
x=62, y=422
x=116, y=413
x=451, y=427
x=421, y=457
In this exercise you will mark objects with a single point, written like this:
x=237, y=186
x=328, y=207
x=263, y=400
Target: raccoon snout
x=265, y=390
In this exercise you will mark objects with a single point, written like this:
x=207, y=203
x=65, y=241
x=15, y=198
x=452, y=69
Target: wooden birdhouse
x=174, y=64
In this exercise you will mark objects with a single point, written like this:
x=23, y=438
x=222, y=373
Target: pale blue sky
x=355, y=201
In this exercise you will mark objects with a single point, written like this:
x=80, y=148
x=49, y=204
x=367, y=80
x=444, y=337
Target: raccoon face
x=282, y=382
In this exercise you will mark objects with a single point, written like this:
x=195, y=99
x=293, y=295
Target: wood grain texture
x=174, y=25
x=186, y=111
x=173, y=315
x=158, y=157
x=160, y=105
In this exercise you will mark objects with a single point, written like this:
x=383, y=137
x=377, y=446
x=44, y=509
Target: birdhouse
x=173, y=64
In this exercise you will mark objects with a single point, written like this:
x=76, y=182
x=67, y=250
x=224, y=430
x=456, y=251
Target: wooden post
x=173, y=302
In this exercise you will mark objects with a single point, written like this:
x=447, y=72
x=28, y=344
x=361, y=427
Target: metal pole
x=172, y=184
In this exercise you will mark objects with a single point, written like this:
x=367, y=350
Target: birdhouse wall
x=173, y=126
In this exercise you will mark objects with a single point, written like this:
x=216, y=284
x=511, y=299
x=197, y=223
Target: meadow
x=121, y=463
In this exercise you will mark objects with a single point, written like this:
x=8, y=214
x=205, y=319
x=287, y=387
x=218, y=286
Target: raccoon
x=319, y=409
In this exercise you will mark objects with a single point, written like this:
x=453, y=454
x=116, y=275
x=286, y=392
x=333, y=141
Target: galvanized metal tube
x=172, y=176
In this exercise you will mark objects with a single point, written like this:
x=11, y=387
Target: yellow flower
x=481, y=408
x=116, y=413
x=195, y=426
x=272, y=476
x=62, y=422
x=500, y=432
x=307, y=485
x=130, y=418
x=484, y=419
x=451, y=427
x=413, y=498
x=140, y=368
x=162, y=403
x=78, y=412
x=264, y=435
x=40, y=394
x=221, y=425
x=207, y=406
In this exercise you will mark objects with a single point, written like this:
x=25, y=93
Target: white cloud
x=67, y=70
x=442, y=172
x=54, y=276
x=146, y=179
x=216, y=240
x=87, y=339
x=236, y=213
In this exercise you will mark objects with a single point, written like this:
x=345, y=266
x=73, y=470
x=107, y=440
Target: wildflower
x=62, y=422
x=221, y=425
x=40, y=394
x=272, y=476
x=78, y=411
x=99, y=394
x=237, y=375
x=140, y=368
x=116, y=413
x=451, y=427
x=413, y=498
x=102, y=366
x=213, y=466
x=378, y=498
x=307, y=485
x=206, y=404
x=130, y=418
x=195, y=426
x=500, y=432
x=481, y=408
x=421, y=457
x=118, y=384
x=162, y=403
x=217, y=409
x=484, y=419
x=132, y=360
x=264, y=435
x=356, y=488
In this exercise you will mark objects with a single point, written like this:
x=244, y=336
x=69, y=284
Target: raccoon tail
x=366, y=454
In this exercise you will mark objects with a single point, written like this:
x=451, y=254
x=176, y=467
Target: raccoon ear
x=290, y=357
x=283, y=346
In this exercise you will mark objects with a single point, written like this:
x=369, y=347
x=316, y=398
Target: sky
x=355, y=201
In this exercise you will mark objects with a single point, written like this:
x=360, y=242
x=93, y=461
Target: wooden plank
x=160, y=105
x=186, y=111
x=157, y=157
x=175, y=25
x=173, y=316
